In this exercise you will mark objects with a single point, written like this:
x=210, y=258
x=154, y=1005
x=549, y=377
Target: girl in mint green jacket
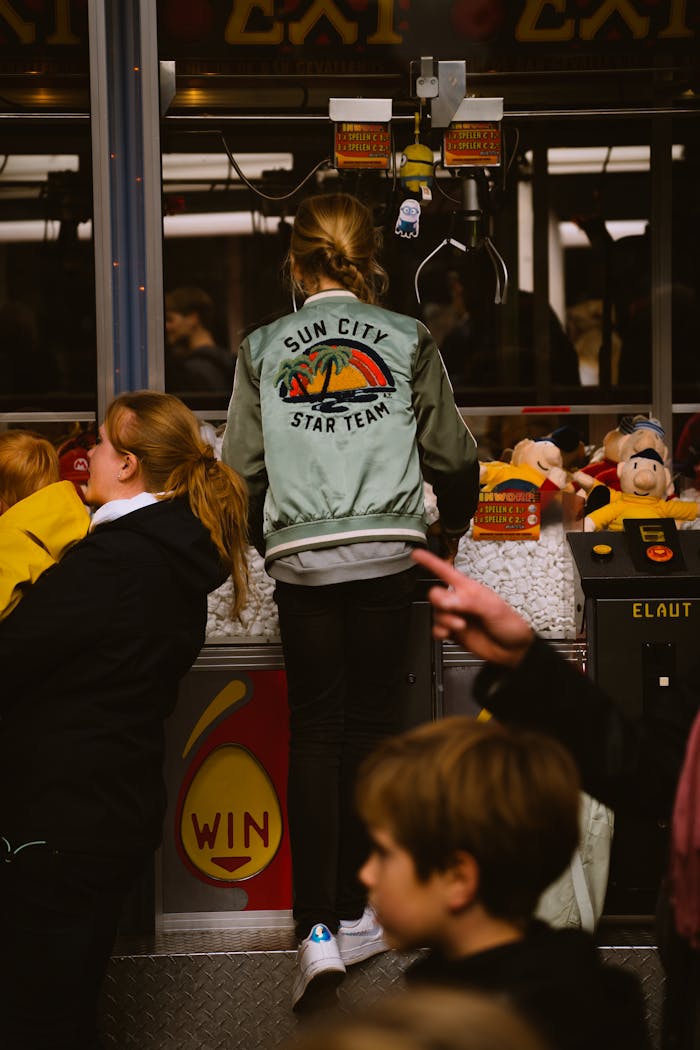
x=339, y=411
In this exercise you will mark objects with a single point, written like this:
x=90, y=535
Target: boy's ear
x=464, y=877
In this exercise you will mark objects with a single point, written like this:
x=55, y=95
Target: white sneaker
x=361, y=939
x=318, y=963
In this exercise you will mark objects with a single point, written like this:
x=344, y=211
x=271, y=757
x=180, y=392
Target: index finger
x=442, y=569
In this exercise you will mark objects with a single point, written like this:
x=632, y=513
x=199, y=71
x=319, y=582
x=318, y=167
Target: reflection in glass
x=47, y=301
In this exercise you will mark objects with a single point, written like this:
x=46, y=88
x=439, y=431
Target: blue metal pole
x=127, y=221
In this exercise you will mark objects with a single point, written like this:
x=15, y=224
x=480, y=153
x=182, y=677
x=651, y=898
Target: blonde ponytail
x=176, y=462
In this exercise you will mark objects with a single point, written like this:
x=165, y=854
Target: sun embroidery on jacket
x=333, y=377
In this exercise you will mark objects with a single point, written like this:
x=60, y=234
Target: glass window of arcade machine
x=682, y=263
x=572, y=220
x=570, y=211
x=222, y=251
x=48, y=358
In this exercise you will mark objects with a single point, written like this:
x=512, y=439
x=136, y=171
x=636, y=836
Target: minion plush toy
x=416, y=177
x=416, y=172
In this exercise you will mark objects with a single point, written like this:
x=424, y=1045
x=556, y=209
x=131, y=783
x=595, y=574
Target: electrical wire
x=507, y=167
x=604, y=171
x=394, y=173
x=266, y=196
x=436, y=165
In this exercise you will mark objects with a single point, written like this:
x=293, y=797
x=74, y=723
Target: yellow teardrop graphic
x=231, y=820
x=229, y=696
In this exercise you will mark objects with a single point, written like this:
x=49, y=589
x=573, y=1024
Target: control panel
x=650, y=558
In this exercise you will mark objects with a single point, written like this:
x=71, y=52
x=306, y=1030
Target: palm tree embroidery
x=328, y=357
x=300, y=369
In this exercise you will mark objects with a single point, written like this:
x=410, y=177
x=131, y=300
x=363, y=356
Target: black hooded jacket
x=91, y=659
x=632, y=766
x=558, y=981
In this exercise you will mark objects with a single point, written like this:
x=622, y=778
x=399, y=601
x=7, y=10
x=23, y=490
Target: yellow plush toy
x=535, y=465
x=644, y=482
x=416, y=170
x=532, y=461
x=640, y=433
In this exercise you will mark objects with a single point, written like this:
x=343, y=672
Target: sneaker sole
x=320, y=990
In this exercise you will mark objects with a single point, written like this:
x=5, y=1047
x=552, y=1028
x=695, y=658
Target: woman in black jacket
x=91, y=661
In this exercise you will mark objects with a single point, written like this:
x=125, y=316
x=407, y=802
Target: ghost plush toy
x=644, y=481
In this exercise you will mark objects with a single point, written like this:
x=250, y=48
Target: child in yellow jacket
x=40, y=516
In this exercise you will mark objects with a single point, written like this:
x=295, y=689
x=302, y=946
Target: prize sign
x=511, y=514
x=472, y=143
x=229, y=824
x=362, y=147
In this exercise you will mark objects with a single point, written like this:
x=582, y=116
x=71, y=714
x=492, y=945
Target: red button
x=659, y=552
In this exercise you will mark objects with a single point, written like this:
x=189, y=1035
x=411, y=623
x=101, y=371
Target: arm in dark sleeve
x=242, y=446
x=632, y=766
x=447, y=448
x=61, y=617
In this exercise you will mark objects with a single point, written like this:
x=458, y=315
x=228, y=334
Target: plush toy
x=568, y=440
x=535, y=466
x=417, y=164
x=416, y=178
x=416, y=170
x=644, y=481
x=608, y=457
x=646, y=432
x=408, y=221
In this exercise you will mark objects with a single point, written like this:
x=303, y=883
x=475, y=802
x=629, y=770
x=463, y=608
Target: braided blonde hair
x=175, y=460
x=334, y=237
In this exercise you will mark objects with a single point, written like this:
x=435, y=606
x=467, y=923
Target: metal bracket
x=443, y=84
x=427, y=85
x=452, y=85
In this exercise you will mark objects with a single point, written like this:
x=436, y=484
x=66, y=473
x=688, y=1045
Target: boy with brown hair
x=40, y=515
x=470, y=822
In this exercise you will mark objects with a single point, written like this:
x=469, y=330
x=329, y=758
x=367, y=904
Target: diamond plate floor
x=231, y=989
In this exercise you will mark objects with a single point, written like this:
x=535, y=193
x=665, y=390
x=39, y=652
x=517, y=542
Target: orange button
x=659, y=552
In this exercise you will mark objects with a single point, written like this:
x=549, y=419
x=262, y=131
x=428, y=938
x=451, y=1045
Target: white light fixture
x=582, y=160
x=572, y=236
x=34, y=167
x=26, y=231
x=215, y=167
x=207, y=224
x=219, y=224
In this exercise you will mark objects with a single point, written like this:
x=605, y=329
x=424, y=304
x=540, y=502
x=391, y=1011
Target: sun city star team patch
x=335, y=376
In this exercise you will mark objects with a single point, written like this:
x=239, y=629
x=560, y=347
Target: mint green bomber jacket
x=337, y=412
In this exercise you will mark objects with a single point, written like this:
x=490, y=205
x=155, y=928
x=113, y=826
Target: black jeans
x=343, y=645
x=59, y=914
